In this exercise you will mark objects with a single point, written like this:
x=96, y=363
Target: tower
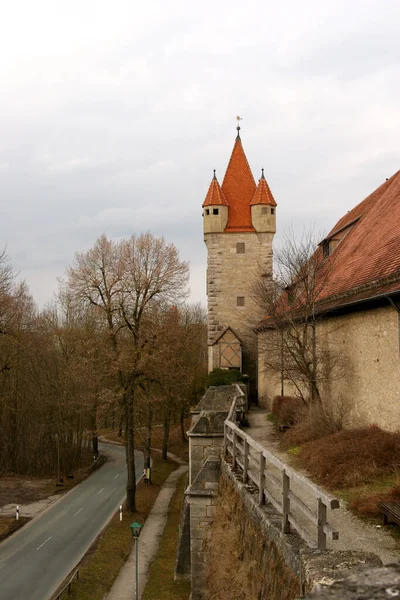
x=239, y=220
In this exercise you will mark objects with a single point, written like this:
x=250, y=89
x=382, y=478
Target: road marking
x=78, y=511
x=116, y=476
x=41, y=545
x=100, y=491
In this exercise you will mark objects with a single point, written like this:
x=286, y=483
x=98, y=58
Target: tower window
x=207, y=211
x=272, y=211
x=215, y=211
x=264, y=210
x=240, y=301
x=240, y=248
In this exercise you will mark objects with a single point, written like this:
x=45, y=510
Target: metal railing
x=68, y=586
x=260, y=466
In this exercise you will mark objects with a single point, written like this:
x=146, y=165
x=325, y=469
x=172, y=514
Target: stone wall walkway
x=354, y=534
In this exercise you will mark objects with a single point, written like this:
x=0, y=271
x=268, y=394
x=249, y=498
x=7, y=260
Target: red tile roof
x=215, y=195
x=239, y=187
x=263, y=194
x=370, y=252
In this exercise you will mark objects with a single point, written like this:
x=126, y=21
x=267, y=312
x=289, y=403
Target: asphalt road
x=36, y=559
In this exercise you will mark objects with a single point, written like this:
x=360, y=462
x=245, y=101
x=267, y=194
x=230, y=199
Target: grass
x=105, y=559
x=9, y=524
x=161, y=582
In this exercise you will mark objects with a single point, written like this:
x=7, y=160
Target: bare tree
x=127, y=282
x=290, y=302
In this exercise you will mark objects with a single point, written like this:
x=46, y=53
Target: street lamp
x=135, y=529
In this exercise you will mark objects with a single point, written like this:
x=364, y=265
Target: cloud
x=112, y=120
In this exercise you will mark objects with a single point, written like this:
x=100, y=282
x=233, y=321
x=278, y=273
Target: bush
x=317, y=422
x=367, y=505
x=288, y=410
x=352, y=457
x=225, y=377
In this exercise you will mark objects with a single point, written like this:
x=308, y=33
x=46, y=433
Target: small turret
x=215, y=209
x=263, y=208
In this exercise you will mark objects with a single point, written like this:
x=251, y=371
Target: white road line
x=99, y=492
x=78, y=511
x=116, y=476
x=41, y=545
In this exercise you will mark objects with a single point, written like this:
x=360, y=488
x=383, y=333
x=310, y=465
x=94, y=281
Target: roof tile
x=371, y=250
x=238, y=187
x=215, y=195
x=263, y=194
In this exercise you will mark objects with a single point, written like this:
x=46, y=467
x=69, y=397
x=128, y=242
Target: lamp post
x=135, y=529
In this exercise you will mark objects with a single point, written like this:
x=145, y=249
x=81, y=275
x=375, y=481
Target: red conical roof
x=215, y=195
x=263, y=194
x=239, y=187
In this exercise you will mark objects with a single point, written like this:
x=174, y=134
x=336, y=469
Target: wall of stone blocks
x=230, y=275
x=200, y=449
x=202, y=509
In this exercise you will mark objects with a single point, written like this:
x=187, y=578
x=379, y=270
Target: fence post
x=261, y=480
x=321, y=535
x=285, y=502
x=233, y=449
x=245, y=461
x=225, y=440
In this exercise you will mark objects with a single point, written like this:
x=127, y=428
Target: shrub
x=317, y=422
x=367, y=505
x=288, y=410
x=225, y=377
x=352, y=457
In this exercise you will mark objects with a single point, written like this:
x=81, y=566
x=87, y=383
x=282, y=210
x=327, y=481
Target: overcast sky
x=113, y=115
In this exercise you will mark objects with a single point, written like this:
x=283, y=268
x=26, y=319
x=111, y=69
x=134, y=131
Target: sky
x=113, y=116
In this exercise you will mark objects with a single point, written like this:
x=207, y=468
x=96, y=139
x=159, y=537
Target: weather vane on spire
x=238, y=119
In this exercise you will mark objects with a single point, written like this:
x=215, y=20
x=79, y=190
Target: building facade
x=357, y=316
x=239, y=220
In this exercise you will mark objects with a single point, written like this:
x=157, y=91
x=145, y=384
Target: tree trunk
x=147, y=448
x=315, y=395
x=183, y=434
x=130, y=453
x=95, y=439
x=166, y=426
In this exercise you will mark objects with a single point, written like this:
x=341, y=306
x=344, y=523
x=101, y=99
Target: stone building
x=358, y=312
x=239, y=225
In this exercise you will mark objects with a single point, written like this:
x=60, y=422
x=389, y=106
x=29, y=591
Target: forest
x=118, y=347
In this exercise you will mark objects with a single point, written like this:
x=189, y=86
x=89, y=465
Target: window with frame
x=215, y=211
x=240, y=248
x=240, y=301
x=207, y=211
x=272, y=211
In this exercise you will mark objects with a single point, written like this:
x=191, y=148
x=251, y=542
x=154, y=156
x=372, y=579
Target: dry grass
x=352, y=457
x=109, y=553
x=161, y=574
x=240, y=565
x=9, y=524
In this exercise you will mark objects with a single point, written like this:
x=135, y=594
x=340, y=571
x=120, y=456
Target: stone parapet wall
x=375, y=584
x=285, y=565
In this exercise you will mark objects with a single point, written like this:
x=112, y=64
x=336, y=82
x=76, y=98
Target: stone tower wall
x=229, y=276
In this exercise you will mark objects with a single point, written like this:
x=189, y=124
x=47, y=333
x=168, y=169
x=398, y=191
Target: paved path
x=38, y=557
x=354, y=534
x=124, y=585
